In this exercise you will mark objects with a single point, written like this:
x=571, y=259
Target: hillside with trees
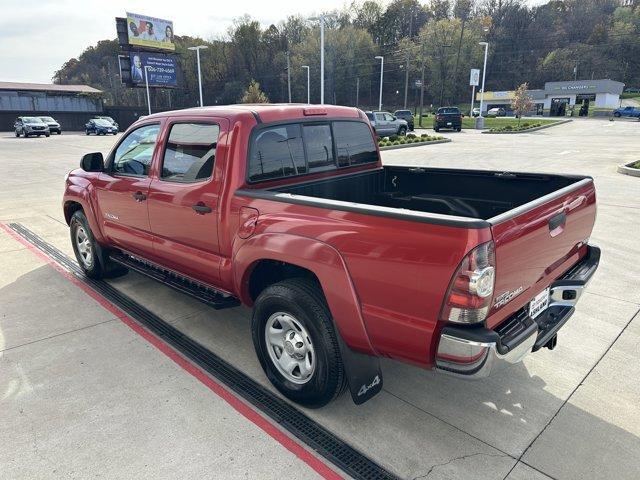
x=437, y=40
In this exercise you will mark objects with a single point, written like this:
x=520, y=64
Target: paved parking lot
x=82, y=394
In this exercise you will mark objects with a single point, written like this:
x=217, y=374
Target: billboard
x=161, y=69
x=150, y=32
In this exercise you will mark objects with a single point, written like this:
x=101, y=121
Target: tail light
x=471, y=290
x=439, y=117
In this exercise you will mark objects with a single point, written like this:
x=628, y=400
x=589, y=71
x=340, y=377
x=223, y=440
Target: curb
x=409, y=145
x=626, y=169
x=541, y=127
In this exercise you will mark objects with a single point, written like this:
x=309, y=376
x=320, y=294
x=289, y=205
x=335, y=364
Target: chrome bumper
x=475, y=352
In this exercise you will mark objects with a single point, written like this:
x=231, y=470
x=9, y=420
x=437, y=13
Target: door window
x=190, y=152
x=134, y=154
x=388, y=117
x=379, y=117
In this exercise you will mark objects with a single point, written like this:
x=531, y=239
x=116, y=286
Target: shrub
x=525, y=124
x=393, y=138
x=395, y=142
x=424, y=135
x=508, y=127
x=411, y=135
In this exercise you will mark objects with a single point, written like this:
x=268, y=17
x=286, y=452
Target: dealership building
x=71, y=105
x=557, y=99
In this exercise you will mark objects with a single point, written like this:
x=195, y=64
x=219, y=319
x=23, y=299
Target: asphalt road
x=81, y=394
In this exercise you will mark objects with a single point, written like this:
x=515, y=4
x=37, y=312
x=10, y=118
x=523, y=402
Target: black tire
x=47, y=135
x=402, y=131
x=17, y=134
x=617, y=114
x=436, y=129
x=459, y=129
x=302, y=299
x=86, y=132
x=79, y=227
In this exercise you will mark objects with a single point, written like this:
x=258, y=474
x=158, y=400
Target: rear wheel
x=17, y=133
x=617, y=114
x=436, y=129
x=86, y=132
x=296, y=344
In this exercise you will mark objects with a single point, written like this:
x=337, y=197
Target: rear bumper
x=475, y=352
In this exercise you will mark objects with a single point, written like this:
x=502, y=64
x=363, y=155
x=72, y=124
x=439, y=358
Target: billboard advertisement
x=161, y=69
x=150, y=32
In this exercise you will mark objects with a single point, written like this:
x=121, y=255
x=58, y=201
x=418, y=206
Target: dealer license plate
x=539, y=303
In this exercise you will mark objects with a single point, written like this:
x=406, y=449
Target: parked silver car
x=54, y=125
x=385, y=124
x=28, y=126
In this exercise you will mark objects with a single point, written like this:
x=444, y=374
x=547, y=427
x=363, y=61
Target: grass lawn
x=634, y=96
x=501, y=122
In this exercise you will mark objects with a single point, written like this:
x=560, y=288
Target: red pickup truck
x=288, y=209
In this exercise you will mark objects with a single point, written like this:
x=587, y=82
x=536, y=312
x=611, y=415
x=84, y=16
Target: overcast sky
x=37, y=38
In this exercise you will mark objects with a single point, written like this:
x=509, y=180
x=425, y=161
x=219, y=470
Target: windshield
x=108, y=119
x=31, y=120
x=102, y=122
x=47, y=119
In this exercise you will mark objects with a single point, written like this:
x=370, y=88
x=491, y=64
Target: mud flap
x=363, y=373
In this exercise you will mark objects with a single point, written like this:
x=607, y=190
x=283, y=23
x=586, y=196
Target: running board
x=206, y=294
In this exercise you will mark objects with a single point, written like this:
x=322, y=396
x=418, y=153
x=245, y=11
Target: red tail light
x=471, y=290
x=439, y=117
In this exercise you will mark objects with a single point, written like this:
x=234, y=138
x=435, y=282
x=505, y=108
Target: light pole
x=381, y=58
x=146, y=83
x=322, y=18
x=197, y=49
x=484, y=76
x=308, y=85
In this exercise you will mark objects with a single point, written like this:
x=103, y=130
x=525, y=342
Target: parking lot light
x=146, y=83
x=480, y=123
x=197, y=49
x=381, y=58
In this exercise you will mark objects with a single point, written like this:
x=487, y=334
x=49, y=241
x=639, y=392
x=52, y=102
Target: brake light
x=439, y=117
x=471, y=289
x=314, y=111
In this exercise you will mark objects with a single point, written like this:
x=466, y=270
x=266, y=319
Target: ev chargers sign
x=474, y=77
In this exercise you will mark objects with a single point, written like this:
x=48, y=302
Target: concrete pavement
x=81, y=394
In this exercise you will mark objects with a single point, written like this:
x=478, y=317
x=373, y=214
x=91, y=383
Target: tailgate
x=537, y=242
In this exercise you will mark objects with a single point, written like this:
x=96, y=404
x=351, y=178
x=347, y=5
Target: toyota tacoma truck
x=289, y=209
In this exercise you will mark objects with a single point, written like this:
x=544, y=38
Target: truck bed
x=482, y=195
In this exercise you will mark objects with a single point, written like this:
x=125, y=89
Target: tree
x=253, y=94
x=522, y=102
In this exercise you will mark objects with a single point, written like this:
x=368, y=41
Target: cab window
x=133, y=156
x=190, y=152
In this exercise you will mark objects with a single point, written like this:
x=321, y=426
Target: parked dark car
x=407, y=116
x=448, y=117
x=29, y=126
x=54, y=125
x=110, y=120
x=99, y=126
x=633, y=112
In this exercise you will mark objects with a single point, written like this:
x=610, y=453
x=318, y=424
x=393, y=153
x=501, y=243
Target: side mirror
x=92, y=162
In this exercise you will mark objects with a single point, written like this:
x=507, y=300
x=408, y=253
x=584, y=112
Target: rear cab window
x=294, y=149
x=449, y=110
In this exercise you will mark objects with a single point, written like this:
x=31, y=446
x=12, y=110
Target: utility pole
x=308, y=88
x=406, y=70
x=421, y=89
x=357, y=91
x=289, y=76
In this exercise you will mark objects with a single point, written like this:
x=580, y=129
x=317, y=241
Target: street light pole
x=484, y=74
x=381, y=58
x=146, y=82
x=197, y=49
x=308, y=85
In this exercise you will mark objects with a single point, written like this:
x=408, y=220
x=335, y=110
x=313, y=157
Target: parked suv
x=448, y=117
x=385, y=124
x=28, y=126
x=54, y=126
x=407, y=116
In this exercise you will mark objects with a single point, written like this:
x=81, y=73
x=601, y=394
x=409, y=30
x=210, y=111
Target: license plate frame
x=539, y=303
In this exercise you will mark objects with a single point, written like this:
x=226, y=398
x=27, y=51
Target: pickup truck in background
x=288, y=209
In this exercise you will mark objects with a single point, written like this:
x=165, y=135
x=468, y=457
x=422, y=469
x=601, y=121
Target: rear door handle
x=139, y=196
x=201, y=208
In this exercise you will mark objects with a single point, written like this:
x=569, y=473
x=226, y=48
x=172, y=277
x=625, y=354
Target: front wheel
x=402, y=131
x=296, y=343
x=85, y=246
x=617, y=114
x=86, y=132
x=17, y=133
x=47, y=135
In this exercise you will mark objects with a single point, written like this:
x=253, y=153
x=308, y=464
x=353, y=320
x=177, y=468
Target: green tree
x=253, y=94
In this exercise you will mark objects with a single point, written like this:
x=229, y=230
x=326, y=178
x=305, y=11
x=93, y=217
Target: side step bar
x=206, y=294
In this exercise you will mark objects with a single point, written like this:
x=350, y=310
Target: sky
x=35, y=41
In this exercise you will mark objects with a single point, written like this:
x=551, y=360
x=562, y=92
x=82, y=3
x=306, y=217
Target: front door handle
x=139, y=196
x=200, y=208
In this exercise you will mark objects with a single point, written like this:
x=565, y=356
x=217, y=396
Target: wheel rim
x=290, y=347
x=85, y=249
